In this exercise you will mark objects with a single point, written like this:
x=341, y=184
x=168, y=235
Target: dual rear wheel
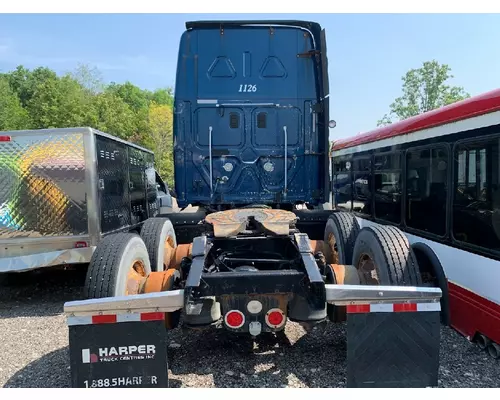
x=376, y=255
x=381, y=254
x=125, y=264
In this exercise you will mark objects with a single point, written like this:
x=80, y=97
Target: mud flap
x=393, y=345
x=120, y=351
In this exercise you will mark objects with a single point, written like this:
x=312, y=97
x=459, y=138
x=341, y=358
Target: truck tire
x=383, y=256
x=340, y=235
x=117, y=266
x=159, y=237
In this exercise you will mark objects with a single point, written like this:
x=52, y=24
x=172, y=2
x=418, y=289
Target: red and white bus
x=436, y=177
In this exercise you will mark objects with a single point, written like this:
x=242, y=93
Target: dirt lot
x=34, y=347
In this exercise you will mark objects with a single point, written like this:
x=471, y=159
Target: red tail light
x=79, y=245
x=275, y=318
x=234, y=319
x=5, y=138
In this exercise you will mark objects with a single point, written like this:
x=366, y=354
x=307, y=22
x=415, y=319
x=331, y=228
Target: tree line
x=41, y=99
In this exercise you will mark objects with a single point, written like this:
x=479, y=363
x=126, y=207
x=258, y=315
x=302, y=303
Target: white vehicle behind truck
x=63, y=190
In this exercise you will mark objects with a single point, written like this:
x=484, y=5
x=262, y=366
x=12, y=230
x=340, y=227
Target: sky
x=367, y=53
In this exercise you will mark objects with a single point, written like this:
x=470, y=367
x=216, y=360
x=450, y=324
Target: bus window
x=426, y=189
x=362, y=195
x=387, y=192
x=342, y=193
x=476, y=201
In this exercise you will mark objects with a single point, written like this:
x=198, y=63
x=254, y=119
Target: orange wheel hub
x=135, y=278
x=163, y=282
x=168, y=252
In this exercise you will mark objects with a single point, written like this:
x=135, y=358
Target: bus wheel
x=340, y=235
x=118, y=267
x=159, y=237
x=383, y=256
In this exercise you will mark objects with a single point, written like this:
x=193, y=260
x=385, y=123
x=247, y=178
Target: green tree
x=24, y=82
x=160, y=139
x=424, y=89
x=163, y=96
x=134, y=96
x=59, y=103
x=89, y=78
x=12, y=115
x=138, y=101
x=112, y=115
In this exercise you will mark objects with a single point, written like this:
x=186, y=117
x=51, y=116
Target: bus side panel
x=471, y=314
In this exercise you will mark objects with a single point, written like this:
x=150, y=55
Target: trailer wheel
x=383, y=256
x=159, y=237
x=118, y=267
x=340, y=235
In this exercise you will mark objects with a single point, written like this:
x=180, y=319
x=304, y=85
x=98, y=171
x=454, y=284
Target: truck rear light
x=275, y=318
x=234, y=319
x=80, y=245
x=254, y=306
x=5, y=138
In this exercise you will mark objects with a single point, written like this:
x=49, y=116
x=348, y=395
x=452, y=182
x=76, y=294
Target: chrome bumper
x=174, y=300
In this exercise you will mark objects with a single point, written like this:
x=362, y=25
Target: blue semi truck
x=251, y=153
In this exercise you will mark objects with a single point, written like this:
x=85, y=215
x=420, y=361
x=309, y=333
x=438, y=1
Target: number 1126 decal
x=247, y=88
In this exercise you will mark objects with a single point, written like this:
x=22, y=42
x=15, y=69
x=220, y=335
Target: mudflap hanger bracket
x=393, y=335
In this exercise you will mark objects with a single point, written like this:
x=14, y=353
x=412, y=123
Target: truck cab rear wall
x=247, y=115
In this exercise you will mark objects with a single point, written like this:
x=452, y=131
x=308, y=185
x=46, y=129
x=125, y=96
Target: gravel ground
x=31, y=311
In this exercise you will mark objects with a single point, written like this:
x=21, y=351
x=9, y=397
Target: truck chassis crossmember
x=270, y=291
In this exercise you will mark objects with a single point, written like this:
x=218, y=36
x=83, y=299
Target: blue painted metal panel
x=242, y=93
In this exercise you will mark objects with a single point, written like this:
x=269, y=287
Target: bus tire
x=159, y=237
x=341, y=231
x=428, y=260
x=383, y=256
x=117, y=267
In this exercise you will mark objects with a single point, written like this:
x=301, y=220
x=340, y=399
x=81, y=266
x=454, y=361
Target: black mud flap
x=393, y=345
x=118, y=351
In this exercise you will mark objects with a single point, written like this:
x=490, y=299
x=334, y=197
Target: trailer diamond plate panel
x=393, y=349
x=42, y=191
